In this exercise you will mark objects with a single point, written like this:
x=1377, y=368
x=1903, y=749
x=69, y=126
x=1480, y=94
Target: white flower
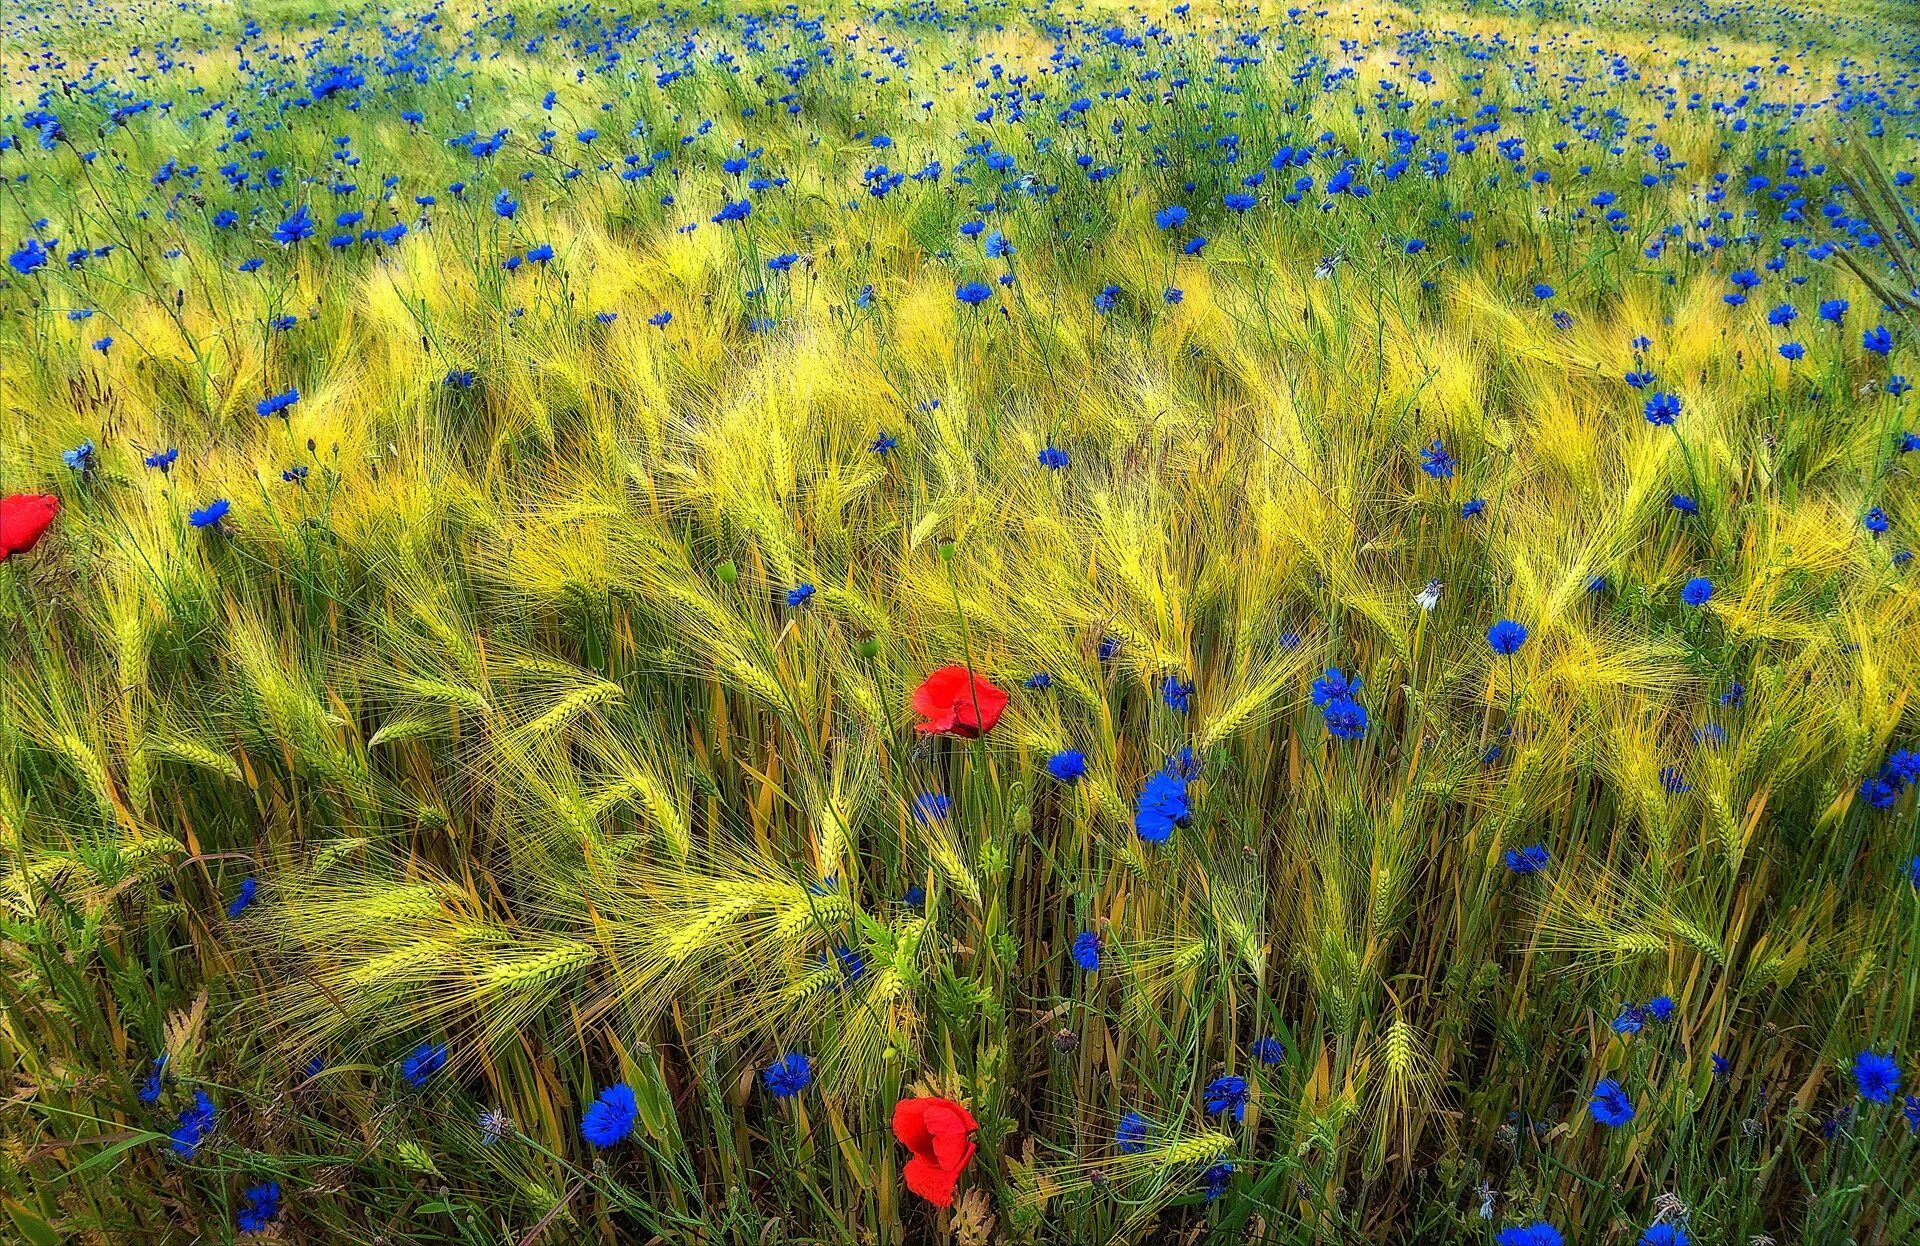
x=1429, y=596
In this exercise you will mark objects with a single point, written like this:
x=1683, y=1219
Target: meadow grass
x=520, y=706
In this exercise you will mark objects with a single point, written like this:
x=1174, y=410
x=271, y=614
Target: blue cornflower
x=1170, y=217
x=162, y=460
x=1436, y=462
x=1505, y=637
x=423, y=1062
x=541, y=253
x=973, y=293
x=1227, y=1094
x=1269, y=1050
x=150, y=1088
x=195, y=1123
x=1735, y=696
x=1833, y=311
x=1697, y=591
x=1333, y=684
x=1131, y=1135
x=1722, y=1067
x=210, y=515
x=505, y=205
x=884, y=444
x=1107, y=299
x=1177, y=693
x=1631, y=1020
x=1792, y=351
x=1539, y=1233
x=1238, y=201
x=1216, y=1179
x=1661, y=1008
x=1877, y=340
x=242, y=898
x=1879, y=793
x=1877, y=1076
x=262, y=1208
x=1086, y=951
x=1067, y=765
x=610, y=1118
x=80, y=458
x=1684, y=504
x=1052, y=458
x=1529, y=860
x=1163, y=806
x=1472, y=507
x=1876, y=521
x=788, y=1076
x=1610, y=1104
x=31, y=257
x=930, y=807
x=1345, y=717
x=295, y=228
x=799, y=593
x=738, y=210
x=1542, y=291
x=276, y=404
x=1662, y=408
x=1039, y=681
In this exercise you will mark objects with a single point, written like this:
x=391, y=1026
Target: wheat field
x=994, y=623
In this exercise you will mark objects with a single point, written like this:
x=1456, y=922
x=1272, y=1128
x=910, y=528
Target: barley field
x=968, y=621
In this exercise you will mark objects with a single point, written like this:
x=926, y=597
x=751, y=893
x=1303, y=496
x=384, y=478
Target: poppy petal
x=930, y=1181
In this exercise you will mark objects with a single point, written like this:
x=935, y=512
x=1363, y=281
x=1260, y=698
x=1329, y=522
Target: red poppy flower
x=937, y=1132
x=24, y=518
x=958, y=702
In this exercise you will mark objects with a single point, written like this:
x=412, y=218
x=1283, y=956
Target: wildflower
x=1163, y=806
x=80, y=458
x=1697, y=591
x=1067, y=765
x=1722, y=1067
x=798, y=595
x=954, y=701
x=162, y=460
x=1428, y=597
x=1876, y=1076
x=1911, y=1111
x=1170, y=217
x=1792, y=351
x=1227, y=1094
x=1631, y=1021
x=24, y=519
x=1833, y=311
x=1131, y=1135
x=931, y=807
x=31, y=257
x=1505, y=637
x=1269, y=1050
x=1662, y=409
x=1735, y=696
x=884, y=444
x=1473, y=507
x=505, y=205
x=1610, y=1103
x=939, y=1133
x=1086, y=951
x=295, y=228
x=276, y=404
x=1346, y=718
x=1665, y=1234
x=195, y=1123
x=788, y=1076
x=1052, y=458
x=1539, y=1233
x=1107, y=299
x=1542, y=291
x=609, y=1119
x=1177, y=693
x=423, y=1062
x=494, y=1125
x=150, y=1088
x=1529, y=860
x=242, y=898
x=1684, y=504
x=973, y=293
x=210, y=515
x=1039, y=681
x=1436, y=462
x=1876, y=521
x=1672, y=779
x=262, y=1208
x=1333, y=684
x=1216, y=1178
x=1877, y=340
x=1661, y=1008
